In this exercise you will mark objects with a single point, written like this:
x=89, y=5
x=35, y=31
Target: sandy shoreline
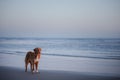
x=59, y=68
x=10, y=73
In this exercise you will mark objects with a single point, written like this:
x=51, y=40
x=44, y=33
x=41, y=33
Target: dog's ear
x=39, y=49
x=35, y=49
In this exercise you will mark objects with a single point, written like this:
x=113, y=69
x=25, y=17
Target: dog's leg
x=33, y=67
x=36, y=65
x=26, y=64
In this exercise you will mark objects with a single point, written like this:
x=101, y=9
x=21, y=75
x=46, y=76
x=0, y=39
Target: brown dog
x=33, y=58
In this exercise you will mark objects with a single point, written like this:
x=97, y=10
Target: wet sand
x=11, y=73
x=12, y=67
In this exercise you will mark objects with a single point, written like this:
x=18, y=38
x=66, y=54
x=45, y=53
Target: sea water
x=102, y=48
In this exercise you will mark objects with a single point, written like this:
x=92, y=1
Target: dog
x=33, y=58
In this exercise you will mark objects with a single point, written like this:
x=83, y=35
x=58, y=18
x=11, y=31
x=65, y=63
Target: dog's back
x=30, y=56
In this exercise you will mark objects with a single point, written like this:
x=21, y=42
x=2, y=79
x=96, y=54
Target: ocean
x=101, y=48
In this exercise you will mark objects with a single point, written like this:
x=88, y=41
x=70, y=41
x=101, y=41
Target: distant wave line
x=110, y=57
x=63, y=55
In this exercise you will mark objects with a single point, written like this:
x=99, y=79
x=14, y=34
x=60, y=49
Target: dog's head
x=37, y=52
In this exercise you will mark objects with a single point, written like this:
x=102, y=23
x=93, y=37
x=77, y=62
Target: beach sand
x=56, y=68
x=10, y=73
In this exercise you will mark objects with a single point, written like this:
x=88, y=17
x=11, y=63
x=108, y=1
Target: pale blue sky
x=60, y=18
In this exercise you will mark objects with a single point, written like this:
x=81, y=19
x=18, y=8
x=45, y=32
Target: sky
x=60, y=18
